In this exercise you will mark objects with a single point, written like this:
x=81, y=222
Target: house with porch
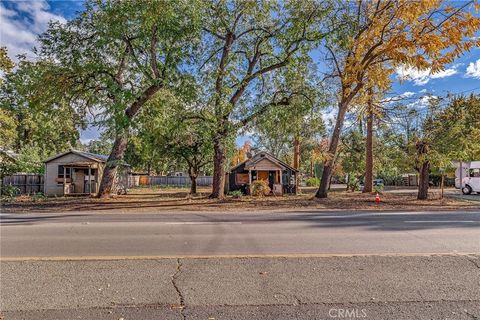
x=79, y=173
x=280, y=176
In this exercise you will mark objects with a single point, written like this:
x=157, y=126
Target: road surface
x=246, y=265
x=211, y=234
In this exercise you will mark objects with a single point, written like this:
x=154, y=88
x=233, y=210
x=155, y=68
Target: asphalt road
x=211, y=234
x=300, y=265
x=373, y=287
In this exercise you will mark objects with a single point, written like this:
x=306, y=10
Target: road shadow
x=32, y=219
x=383, y=222
x=347, y=219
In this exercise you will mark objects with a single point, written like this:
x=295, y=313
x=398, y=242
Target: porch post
x=280, y=172
x=89, y=181
x=64, y=180
x=249, y=176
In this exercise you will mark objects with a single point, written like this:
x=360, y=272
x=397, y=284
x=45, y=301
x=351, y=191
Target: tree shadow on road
x=376, y=221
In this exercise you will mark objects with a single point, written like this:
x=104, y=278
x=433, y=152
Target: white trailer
x=467, y=176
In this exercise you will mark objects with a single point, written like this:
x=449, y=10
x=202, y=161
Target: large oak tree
x=247, y=43
x=116, y=56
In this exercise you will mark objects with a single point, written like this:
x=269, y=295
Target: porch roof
x=81, y=164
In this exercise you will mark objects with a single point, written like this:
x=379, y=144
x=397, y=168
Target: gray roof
x=100, y=157
x=263, y=154
x=88, y=155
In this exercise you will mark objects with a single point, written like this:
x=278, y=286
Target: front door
x=271, y=179
x=90, y=187
x=262, y=175
x=77, y=181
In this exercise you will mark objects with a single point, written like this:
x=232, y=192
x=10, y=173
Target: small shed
x=78, y=173
x=281, y=177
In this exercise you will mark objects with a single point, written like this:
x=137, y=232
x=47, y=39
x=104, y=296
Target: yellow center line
x=234, y=256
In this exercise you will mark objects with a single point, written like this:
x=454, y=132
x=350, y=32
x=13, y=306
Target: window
x=241, y=178
x=68, y=172
x=475, y=173
x=85, y=172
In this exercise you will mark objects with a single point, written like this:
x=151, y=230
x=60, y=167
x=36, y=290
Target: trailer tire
x=467, y=189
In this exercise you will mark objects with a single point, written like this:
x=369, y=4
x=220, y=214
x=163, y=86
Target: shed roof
x=8, y=154
x=264, y=155
x=90, y=156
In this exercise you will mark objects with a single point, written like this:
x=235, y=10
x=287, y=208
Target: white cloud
x=86, y=141
x=397, y=98
x=19, y=28
x=473, y=70
x=422, y=77
x=425, y=100
x=329, y=115
x=407, y=94
x=422, y=103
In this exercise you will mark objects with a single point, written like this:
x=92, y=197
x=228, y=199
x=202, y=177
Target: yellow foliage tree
x=6, y=64
x=379, y=36
x=240, y=154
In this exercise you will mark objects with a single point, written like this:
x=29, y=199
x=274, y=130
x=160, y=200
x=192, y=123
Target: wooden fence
x=175, y=181
x=25, y=183
x=133, y=181
x=31, y=184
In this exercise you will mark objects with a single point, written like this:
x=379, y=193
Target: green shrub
x=237, y=194
x=38, y=197
x=312, y=182
x=10, y=191
x=378, y=188
x=259, y=188
x=353, y=184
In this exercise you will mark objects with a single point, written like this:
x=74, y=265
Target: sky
x=21, y=22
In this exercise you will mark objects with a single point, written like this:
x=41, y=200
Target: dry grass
x=174, y=199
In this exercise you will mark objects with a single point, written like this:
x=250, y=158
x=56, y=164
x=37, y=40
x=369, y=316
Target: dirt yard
x=175, y=199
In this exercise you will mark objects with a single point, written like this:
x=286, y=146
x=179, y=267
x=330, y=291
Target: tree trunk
x=219, y=158
x=424, y=171
x=423, y=181
x=193, y=187
x=312, y=168
x=442, y=186
x=296, y=161
x=110, y=170
x=120, y=144
x=368, y=186
x=296, y=153
x=322, y=191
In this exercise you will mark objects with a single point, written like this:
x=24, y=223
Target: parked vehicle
x=467, y=176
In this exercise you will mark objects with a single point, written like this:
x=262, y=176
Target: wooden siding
x=265, y=165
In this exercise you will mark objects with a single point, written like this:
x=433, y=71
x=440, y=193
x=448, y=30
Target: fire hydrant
x=377, y=198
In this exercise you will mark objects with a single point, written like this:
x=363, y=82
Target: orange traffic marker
x=377, y=198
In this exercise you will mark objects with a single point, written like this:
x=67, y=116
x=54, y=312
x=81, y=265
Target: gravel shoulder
x=178, y=200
